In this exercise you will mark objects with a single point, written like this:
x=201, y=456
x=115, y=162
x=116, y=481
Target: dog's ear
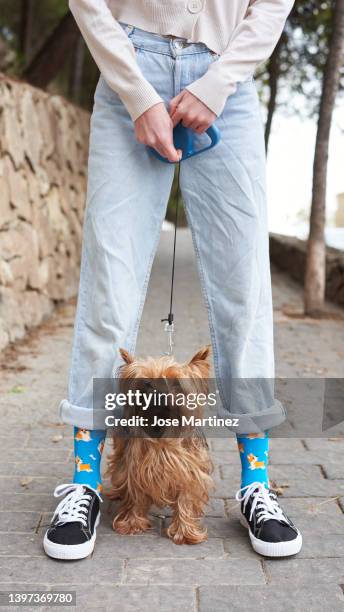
x=126, y=356
x=201, y=356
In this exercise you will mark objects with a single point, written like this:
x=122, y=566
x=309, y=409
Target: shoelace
x=74, y=506
x=265, y=502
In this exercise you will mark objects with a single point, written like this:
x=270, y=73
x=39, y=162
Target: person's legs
x=127, y=195
x=224, y=194
x=128, y=190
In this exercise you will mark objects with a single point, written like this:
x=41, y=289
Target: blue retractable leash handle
x=185, y=139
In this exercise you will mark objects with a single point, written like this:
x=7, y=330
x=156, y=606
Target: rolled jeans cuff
x=85, y=418
x=256, y=422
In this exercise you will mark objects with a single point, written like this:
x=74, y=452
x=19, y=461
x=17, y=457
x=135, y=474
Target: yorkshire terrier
x=164, y=466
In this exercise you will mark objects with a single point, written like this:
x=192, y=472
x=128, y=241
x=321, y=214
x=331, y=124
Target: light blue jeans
x=224, y=196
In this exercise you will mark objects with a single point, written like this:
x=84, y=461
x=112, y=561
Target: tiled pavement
x=148, y=572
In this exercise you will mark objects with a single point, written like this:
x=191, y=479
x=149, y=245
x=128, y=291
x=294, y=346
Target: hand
x=154, y=128
x=191, y=112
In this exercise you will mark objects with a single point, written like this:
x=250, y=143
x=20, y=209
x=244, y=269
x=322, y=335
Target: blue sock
x=88, y=448
x=254, y=456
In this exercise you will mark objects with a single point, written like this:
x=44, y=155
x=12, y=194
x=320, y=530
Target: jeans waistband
x=170, y=45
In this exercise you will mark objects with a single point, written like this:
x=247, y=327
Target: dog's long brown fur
x=164, y=471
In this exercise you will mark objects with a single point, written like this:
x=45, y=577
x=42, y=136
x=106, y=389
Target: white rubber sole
x=71, y=552
x=273, y=549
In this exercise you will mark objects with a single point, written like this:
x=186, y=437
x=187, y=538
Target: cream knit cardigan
x=243, y=32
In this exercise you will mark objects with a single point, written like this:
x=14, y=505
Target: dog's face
x=169, y=378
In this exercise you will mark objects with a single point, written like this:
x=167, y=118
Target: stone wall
x=43, y=156
x=289, y=254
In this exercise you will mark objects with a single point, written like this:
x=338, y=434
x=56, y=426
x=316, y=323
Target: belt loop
x=172, y=48
x=129, y=29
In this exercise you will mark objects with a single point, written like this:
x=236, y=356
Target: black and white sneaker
x=272, y=533
x=72, y=533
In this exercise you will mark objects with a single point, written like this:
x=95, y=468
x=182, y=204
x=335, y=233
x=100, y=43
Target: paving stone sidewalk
x=147, y=572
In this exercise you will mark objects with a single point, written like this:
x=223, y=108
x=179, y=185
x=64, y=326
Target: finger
x=161, y=151
x=198, y=127
x=174, y=102
x=172, y=154
x=195, y=127
x=168, y=150
x=177, y=116
x=188, y=121
x=173, y=106
x=175, y=120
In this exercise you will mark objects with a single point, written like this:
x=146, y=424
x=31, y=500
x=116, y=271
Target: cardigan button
x=195, y=6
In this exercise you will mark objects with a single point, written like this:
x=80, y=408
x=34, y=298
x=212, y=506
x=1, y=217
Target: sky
x=289, y=172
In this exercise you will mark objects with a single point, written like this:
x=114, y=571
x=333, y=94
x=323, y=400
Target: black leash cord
x=170, y=316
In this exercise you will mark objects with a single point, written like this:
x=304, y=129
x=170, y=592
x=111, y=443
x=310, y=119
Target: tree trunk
x=54, y=52
x=274, y=73
x=76, y=72
x=315, y=276
x=25, y=37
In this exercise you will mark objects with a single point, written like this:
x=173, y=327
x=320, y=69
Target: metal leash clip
x=169, y=329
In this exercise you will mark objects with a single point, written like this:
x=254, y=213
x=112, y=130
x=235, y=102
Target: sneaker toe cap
x=275, y=531
x=69, y=534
